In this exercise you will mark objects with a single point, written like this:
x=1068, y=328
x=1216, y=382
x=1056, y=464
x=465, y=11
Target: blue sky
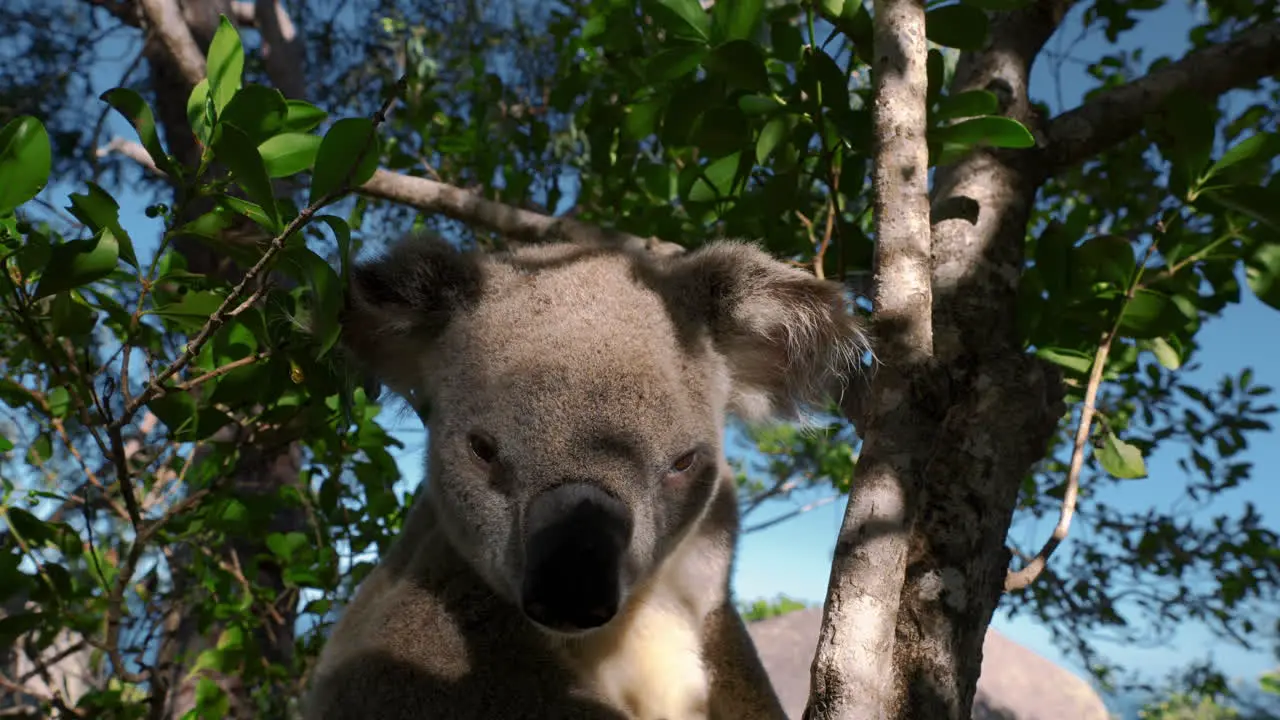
x=794, y=557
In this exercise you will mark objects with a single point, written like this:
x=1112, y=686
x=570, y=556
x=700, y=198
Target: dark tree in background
x=191, y=471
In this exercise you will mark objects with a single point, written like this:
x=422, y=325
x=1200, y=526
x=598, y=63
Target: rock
x=1016, y=683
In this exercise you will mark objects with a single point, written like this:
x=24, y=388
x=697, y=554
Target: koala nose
x=575, y=537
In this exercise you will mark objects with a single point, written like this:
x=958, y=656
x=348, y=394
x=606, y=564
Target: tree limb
x=1116, y=114
x=282, y=50
x=171, y=30
x=853, y=669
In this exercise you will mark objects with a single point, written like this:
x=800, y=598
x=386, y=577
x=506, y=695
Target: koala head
x=576, y=396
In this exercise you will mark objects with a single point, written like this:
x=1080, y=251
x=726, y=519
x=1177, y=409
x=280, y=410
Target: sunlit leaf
x=25, y=161
x=136, y=110
x=289, y=153
x=682, y=18
x=1120, y=459
x=348, y=155
x=225, y=63
x=79, y=262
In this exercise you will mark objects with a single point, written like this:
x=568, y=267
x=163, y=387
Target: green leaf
x=1120, y=459
x=98, y=210
x=1053, y=260
x=1262, y=272
x=1149, y=314
x=1073, y=360
x=256, y=110
x=339, y=157
x=1165, y=353
x=26, y=158
x=177, y=410
x=682, y=18
x=1263, y=144
x=136, y=110
x=771, y=135
x=251, y=210
x=992, y=130
x=289, y=153
x=284, y=546
x=758, y=104
x=831, y=8
x=234, y=148
x=342, y=235
x=1106, y=257
x=716, y=180
x=967, y=104
x=641, y=119
x=1257, y=203
x=200, y=113
x=79, y=262
x=740, y=63
x=303, y=263
x=958, y=26
x=737, y=20
x=225, y=63
x=192, y=309
x=59, y=402
x=674, y=62
x=302, y=116
x=1183, y=128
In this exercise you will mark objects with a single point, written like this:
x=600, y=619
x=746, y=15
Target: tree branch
x=1117, y=114
x=515, y=223
x=171, y=30
x=282, y=50
x=853, y=670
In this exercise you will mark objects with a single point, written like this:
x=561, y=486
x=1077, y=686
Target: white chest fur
x=648, y=663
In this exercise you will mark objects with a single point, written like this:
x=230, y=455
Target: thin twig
x=1019, y=579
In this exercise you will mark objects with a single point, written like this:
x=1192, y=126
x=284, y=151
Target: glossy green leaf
x=1262, y=273
x=682, y=18
x=192, y=308
x=1073, y=360
x=5, y=444
x=1108, y=258
x=200, y=112
x=1120, y=459
x=59, y=402
x=302, y=116
x=737, y=20
x=674, y=62
x=289, y=153
x=641, y=119
x=303, y=263
x=339, y=161
x=256, y=110
x=715, y=181
x=758, y=104
x=225, y=64
x=1256, y=203
x=992, y=130
x=98, y=210
x=248, y=209
x=967, y=104
x=770, y=135
x=832, y=8
x=959, y=26
x=1165, y=353
x=79, y=262
x=25, y=161
x=234, y=148
x=136, y=110
x=1148, y=314
x=1259, y=145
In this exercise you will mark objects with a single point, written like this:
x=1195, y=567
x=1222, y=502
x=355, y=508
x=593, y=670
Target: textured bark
x=853, y=667
x=1004, y=405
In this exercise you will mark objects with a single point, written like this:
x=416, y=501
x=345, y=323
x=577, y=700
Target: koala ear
x=790, y=340
x=397, y=305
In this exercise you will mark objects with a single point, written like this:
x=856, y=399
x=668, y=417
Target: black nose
x=574, y=541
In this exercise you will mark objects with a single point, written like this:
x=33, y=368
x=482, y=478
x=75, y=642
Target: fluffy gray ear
x=791, y=341
x=397, y=304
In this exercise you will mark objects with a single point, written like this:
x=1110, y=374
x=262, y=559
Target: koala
x=570, y=554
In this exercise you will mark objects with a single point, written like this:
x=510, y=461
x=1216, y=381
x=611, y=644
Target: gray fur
x=580, y=364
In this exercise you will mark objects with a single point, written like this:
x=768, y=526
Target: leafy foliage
x=147, y=503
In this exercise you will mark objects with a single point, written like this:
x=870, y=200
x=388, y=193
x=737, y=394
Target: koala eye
x=482, y=446
x=685, y=462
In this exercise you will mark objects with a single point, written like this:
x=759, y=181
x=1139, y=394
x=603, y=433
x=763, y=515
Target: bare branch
x=243, y=13
x=854, y=667
x=1017, y=580
x=170, y=29
x=282, y=49
x=133, y=150
x=807, y=507
x=1117, y=114
x=525, y=225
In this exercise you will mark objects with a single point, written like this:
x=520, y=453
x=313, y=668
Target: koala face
x=576, y=397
